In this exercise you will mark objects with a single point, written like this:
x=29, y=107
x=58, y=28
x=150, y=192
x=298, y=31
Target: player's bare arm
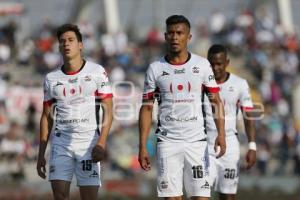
x=46, y=123
x=99, y=149
x=145, y=119
x=219, y=119
x=250, y=131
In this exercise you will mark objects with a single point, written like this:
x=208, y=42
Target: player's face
x=69, y=46
x=177, y=37
x=219, y=63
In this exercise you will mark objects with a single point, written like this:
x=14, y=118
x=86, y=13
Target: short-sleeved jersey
x=178, y=90
x=75, y=98
x=235, y=95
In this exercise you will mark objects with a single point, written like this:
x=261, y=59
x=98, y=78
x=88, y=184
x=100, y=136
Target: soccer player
x=178, y=81
x=234, y=92
x=73, y=95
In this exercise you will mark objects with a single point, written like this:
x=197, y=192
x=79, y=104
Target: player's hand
x=220, y=146
x=41, y=167
x=98, y=153
x=144, y=159
x=250, y=158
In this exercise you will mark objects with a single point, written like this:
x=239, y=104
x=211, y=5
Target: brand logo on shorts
x=52, y=168
x=164, y=184
x=206, y=185
x=94, y=174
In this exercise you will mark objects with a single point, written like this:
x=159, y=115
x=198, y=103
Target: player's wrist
x=252, y=146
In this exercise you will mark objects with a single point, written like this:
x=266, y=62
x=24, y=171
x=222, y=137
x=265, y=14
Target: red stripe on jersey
x=103, y=96
x=212, y=89
x=244, y=108
x=148, y=96
x=49, y=102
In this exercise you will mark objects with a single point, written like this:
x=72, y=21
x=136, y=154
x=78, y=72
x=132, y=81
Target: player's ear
x=80, y=45
x=190, y=36
x=227, y=62
x=165, y=36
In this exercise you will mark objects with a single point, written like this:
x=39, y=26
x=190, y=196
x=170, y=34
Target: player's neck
x=178, y=58
x=224, y=78
x=73, y=65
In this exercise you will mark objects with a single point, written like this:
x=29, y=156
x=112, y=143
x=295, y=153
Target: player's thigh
x=61, y=189
x=196, y=170
x=170, y=161
x=88, y=192
x=228, y=171
x=87, y=172
x=61, y=163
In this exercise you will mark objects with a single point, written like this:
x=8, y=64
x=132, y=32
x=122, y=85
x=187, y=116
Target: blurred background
x=125, y=36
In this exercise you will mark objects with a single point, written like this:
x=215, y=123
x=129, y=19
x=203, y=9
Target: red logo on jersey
x=181, y=87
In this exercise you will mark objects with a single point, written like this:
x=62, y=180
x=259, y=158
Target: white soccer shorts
x=224, y=171
x=183, y=164
x=75, y=158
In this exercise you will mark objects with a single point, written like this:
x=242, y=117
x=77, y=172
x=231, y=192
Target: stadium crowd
x=267, y=55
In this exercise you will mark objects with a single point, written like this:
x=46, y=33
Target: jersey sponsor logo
x=74, y=80
x=165, y=73
x=76, y=101
x=169, y=118
x=211, y=77
x=181, y=87
x=196, y=70
x=179, y=71
x=71, y=121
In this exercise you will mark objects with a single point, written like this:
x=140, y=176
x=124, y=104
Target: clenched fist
x=98, y=153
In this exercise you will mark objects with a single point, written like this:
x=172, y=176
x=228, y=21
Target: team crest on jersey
x=196, y=70
x=74, y=80
x=230, y=89
x=179, y=71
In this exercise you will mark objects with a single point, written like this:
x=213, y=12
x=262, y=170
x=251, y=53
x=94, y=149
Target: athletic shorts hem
x=59, y=179
x=169, y=195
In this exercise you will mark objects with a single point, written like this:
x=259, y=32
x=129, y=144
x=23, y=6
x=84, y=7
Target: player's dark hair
x=216, y=48
x=69, y=27
x=176, y=19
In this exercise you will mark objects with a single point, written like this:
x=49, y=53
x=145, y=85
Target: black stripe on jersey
x=203, y=93
x=97, y=109
x=64, y=71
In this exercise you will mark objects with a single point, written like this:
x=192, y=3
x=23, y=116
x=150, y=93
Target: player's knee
x=61, y=195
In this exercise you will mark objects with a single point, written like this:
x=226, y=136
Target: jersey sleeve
x=48, y=99
x=209, y=82
x=104, y=89
x=149, y=85
x=245, y=100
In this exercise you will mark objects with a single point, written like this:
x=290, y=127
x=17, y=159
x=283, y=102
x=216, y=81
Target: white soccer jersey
x=74, y=97
x=178, y=90
x=235, y=94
